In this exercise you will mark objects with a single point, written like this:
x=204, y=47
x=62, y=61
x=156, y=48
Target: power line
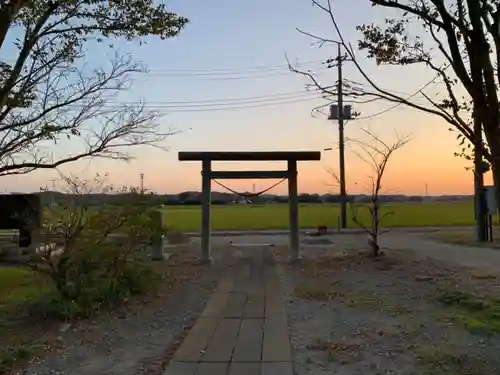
x=225, y=104
x=243, y=100
x=224, y=77
x=311, y=94
x=229, y=104
x=209, y=105
x=218, y=77
x=234, y=107
x=258, y=68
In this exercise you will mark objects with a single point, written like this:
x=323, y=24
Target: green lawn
x=19, y=285
x=20, y=337
x=275, y=216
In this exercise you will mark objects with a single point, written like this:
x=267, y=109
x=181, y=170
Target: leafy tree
x=458, y=40
x=48, y=92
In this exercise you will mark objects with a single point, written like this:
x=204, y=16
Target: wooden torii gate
x=291, y=157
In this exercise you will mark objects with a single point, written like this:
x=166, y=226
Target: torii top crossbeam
x=249, y=155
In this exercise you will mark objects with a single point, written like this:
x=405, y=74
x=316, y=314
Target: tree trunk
x=7, y=15
x=495, y=165
x=493, y=140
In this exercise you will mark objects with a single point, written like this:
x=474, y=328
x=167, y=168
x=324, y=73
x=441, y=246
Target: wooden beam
x=249, y=155
x=239, y=175
x=293, y=207
x=205, y=212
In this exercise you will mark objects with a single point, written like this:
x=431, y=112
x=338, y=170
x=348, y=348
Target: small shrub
x=10, y=358
x=101, y=253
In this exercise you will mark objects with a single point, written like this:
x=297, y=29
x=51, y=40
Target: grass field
x=275, y=216
x=21, y=337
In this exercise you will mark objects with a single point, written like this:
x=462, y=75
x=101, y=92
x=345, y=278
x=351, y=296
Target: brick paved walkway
x=243, y=329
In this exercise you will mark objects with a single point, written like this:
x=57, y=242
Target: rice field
x=275, y=216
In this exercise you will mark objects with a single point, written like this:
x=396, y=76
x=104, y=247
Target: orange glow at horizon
x=426, y=164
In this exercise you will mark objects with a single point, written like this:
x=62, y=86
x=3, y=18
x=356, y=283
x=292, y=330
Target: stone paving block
x=181, y=368
x=277, y=368
x=196, y=341
x=256, y=286
x=276, y=344
x=248, y=346
x=212, y=369
x=235, y=305
x=242, y=271
x=244, y=368
x=225, y=285
x=274, y=299
x=218, y=301
x=221, y=345
x=255, y=306
x=215, y=306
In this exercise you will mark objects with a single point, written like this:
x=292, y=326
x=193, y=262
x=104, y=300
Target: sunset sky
x=224, y=84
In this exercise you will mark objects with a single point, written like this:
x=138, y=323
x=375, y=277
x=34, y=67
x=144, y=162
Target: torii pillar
x=291, y=157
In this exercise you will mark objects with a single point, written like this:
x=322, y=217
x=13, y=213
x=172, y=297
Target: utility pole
x=142, y=183
x=340, y=104
x=339, y=113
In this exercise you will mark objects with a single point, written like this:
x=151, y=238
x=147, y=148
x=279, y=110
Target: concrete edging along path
x=276, y=232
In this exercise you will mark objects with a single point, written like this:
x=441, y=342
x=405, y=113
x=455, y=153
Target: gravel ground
x=352, y=314
x=135, y=340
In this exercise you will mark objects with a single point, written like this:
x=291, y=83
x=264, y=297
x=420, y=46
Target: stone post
x=156, y=217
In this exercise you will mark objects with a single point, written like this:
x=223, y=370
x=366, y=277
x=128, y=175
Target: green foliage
x=88, y=278
x=480, y=315
x=118, y=18
x=19, y=353
x=19, y=287
x=101, y=254
x=454, y=41
x=99, y=279
x=436, y=359
x=48, y=89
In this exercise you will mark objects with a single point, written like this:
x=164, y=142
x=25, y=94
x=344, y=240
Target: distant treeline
x=194, y=198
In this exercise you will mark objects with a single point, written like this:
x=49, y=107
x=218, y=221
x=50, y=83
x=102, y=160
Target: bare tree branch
x=463, y=32
x=376, y=153
x=48, y=94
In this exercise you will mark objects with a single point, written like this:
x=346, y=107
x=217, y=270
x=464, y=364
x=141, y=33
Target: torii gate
x=291, y=157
